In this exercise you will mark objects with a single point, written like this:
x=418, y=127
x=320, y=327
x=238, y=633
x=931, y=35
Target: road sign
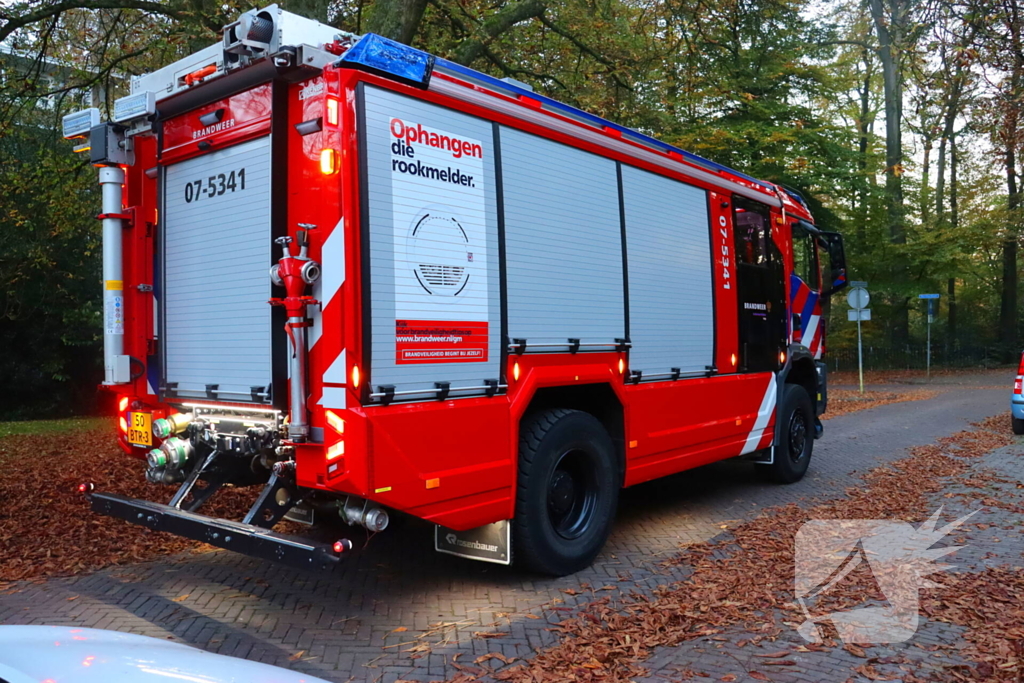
x=858, y=298
x=928, y=296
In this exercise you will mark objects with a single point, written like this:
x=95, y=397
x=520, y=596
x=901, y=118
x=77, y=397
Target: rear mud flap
x=488, y=543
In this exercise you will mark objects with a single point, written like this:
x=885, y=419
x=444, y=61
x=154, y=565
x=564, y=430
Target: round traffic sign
x=858, y=298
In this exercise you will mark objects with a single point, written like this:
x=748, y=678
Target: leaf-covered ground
x=46, y=527
x=845, y=401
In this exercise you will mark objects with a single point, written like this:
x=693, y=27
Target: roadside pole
x=932, y=301
x=858, y=298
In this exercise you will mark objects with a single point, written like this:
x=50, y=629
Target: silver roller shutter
x=433, y=243
x=217, y=323
x=671, y=318
x=563, y=244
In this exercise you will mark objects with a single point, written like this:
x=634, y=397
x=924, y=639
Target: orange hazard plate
x=140, y=429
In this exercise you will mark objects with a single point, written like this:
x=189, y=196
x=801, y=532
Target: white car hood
x=59, y=654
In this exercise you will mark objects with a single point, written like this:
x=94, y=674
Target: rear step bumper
x=247, y=539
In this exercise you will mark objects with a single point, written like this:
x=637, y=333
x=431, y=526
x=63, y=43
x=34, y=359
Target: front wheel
x=568, y=489
x=796, y=436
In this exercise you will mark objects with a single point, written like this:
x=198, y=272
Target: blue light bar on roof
x=385, y=57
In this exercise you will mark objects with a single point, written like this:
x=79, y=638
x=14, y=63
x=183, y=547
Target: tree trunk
x=863, y=134
x=954, y=219
x=954, y=186
x=940, y=181
x=1011, y=141
x=886, y=25
x=893, y=96
x=951, y=313
x=929, y=142
x=496, y=24
x=396, y=19
x=1008, y=300
x=948, y=130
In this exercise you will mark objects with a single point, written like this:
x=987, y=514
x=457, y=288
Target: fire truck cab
x=368, y=280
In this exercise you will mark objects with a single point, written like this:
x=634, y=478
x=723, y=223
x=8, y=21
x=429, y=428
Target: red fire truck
x=367, y=279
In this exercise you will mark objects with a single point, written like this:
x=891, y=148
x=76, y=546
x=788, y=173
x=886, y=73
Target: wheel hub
x=561, y=493
x=797, y=436
x=572, y=494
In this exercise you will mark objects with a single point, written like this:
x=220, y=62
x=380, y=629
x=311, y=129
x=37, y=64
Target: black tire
x=568, y=489
x=1018, y=425
x=796, y=437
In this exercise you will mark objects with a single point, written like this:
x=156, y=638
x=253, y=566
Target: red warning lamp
x=342, y=545
x=122, y=405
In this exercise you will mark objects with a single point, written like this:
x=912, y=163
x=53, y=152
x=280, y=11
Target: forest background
x=900, y=121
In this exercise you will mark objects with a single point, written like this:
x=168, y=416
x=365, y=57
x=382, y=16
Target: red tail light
x=122, y=405
x=1018, y=384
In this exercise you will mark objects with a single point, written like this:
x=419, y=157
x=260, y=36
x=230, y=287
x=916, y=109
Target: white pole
x=860, y=354
x=114, y=366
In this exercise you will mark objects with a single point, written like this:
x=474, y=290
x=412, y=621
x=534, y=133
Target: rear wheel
x=796, y=436
x=1018, y=425
x=568, y=489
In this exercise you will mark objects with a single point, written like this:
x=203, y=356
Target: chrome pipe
x=116, y=369
x=298, y=424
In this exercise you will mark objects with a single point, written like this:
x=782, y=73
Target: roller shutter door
x=216, y=256
x=435, y=309
x=563, y=244
x=671, y=314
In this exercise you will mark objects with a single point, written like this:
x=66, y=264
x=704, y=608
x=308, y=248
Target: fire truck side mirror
x=833, y=243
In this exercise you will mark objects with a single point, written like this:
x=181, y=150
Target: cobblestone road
x=343, y=626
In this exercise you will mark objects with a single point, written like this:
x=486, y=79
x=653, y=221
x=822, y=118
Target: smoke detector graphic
x=439, y=252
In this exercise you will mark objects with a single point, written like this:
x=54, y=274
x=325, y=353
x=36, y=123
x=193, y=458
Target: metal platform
x=223, y=533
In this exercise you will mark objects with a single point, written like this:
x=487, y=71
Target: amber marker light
x=332, y=111
x=355, y=376
x=336, y=451
x=732, y=359
x=622, y=365
x=328, y=161
x=337, y=424
x=515, y=371
x=782, y=357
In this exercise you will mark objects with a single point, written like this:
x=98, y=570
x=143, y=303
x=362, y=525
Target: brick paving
x=344, y=623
